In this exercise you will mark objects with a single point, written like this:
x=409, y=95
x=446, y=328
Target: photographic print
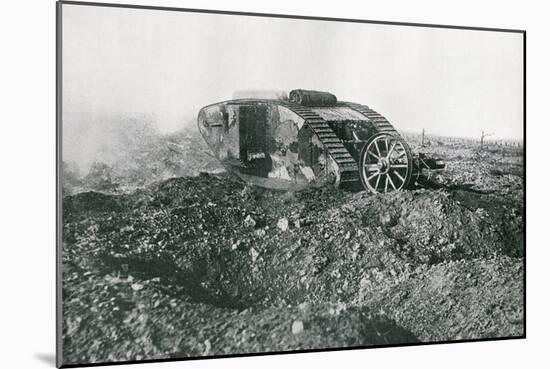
x=239, y=184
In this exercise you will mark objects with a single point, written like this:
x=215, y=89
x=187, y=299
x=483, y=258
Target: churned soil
x=207, y=265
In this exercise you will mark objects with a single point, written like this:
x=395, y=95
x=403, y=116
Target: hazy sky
x=119, y=62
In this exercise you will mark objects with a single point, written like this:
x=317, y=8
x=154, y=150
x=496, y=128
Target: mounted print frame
x=235, y=184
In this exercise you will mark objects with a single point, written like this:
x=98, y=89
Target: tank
x=310, y=139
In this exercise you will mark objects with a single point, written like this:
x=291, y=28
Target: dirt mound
x=132, y=319
x=91, y=202
x=455, y=300
x=207, y=265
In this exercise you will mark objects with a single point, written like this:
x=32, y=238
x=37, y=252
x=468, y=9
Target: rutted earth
x=207, y=265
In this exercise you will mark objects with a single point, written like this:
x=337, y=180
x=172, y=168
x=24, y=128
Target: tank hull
x=289, y=145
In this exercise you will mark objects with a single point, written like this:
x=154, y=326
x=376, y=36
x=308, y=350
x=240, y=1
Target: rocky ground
x=206, y=265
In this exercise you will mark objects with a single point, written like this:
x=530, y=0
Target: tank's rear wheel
x=385, y=163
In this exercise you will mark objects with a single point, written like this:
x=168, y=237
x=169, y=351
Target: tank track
x=349, y=171
x=379, y=123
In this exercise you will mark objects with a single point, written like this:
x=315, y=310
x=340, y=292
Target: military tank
x=310, y=139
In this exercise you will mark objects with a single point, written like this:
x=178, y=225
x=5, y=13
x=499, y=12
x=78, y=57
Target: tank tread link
x=379, y=122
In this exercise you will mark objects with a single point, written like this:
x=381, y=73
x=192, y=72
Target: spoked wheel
x=385, y=163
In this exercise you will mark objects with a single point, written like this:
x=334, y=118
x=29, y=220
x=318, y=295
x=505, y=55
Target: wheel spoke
x=377, y=173
x=386, y=185
x=390, y=151
x=371, y=167
x=374, y=155
x=399, y=176
x=377, y=148
x=399, y=165
x=377, y=182
x=391, y=182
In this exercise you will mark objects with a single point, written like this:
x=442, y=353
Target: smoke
x=119, y=153
x=89, y=138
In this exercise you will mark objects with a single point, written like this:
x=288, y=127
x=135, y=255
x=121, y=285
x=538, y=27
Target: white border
x=27, y=325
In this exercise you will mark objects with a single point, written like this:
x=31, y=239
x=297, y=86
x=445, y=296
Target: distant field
x=488, y=141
